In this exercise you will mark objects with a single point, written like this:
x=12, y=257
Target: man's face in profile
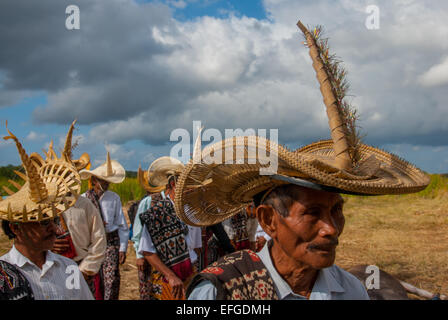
x=309, y=234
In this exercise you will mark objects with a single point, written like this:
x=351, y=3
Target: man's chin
x=323, y=259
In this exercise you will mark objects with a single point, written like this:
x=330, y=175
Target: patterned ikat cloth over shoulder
x=167, y=232
x=238, y=276
x=13, y=284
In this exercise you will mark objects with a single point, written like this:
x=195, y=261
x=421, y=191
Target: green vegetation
x=437, y=187
x=128, y=190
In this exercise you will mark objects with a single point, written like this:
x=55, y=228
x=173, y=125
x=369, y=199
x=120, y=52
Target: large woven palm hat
x=51, y=187
x=111, y=171
x=160, y=170
x=219, y=186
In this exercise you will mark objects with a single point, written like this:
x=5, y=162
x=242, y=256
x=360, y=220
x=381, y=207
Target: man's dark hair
x=7, y=230
x=281, y=198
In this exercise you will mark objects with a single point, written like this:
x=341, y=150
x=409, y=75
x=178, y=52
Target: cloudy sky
x=137, y=70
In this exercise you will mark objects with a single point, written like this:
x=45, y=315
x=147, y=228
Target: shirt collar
x=325, y=283
x=20, y=260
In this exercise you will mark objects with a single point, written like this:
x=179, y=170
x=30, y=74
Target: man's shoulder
x=347, y=280
x=111, y=195
x=7, y=257
x=63, y=261
x=244, y=261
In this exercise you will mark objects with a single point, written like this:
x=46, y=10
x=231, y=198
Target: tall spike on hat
x=333, y=87
x=68, y=141
x=38, y=191
x=109, y=171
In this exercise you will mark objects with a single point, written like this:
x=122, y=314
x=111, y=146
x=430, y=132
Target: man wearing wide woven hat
x=167, y=243
x=29, y=217
x=117, y=231
x=298, y=202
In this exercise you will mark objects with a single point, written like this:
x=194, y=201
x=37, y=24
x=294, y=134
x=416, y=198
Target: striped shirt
x=59, y=278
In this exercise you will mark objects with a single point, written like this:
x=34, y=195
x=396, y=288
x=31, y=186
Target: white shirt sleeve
x=195, y=235
x=205, y=290
x=123, y=229
x=146, y=244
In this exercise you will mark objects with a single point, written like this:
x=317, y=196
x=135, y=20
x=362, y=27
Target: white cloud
x=179, y=4
x=437, y=75
x=151, y=73
x=34, y=136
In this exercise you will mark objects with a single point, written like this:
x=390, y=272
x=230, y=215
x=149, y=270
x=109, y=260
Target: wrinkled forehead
x=307, y=195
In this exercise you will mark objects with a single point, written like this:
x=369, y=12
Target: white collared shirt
x=113, y=217
x=332, y=283
x=59, y=278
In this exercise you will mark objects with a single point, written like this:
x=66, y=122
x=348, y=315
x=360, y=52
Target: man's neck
x=170, y=193
x=301, y=278
x=99, y=193
x=38, y=257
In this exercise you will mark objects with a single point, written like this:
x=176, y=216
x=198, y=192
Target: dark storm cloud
x=133, y=72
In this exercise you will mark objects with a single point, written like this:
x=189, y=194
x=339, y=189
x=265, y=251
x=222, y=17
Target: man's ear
x=267, y=220
x=14, y=228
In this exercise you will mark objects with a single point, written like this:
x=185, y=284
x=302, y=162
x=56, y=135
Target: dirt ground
x=406, y=236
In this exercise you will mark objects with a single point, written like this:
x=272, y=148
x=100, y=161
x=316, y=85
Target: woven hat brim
x=210, y=193
x=161, y=169
x=118, y=173
x=63, y=184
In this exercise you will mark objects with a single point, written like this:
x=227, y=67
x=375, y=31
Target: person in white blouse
x=115, y=225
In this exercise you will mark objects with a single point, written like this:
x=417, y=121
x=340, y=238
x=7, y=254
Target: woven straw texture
x=229, y=175
x=51, y=187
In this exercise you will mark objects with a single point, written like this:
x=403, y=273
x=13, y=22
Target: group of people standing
x=194, y=234
x=93, y=234
x=170, y=252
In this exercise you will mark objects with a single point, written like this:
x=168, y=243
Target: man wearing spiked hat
x=166, y=242
x=30, y=218
x=109, y=205
x=81, y=233
x=298, y=205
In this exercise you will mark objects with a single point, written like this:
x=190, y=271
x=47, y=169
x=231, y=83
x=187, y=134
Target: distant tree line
x=8, y=171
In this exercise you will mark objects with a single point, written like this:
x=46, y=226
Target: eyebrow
x=319, y=204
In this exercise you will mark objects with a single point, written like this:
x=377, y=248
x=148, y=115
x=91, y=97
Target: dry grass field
x=406, y=236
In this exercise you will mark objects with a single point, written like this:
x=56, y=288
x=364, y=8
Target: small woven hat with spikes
x=217, y=187
x=159, y=171
x=111, y=171
x=51, y=187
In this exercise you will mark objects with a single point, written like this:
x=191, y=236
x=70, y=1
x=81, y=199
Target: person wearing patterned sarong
x=143, y=267
x=164, y=241
x=107, y=283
